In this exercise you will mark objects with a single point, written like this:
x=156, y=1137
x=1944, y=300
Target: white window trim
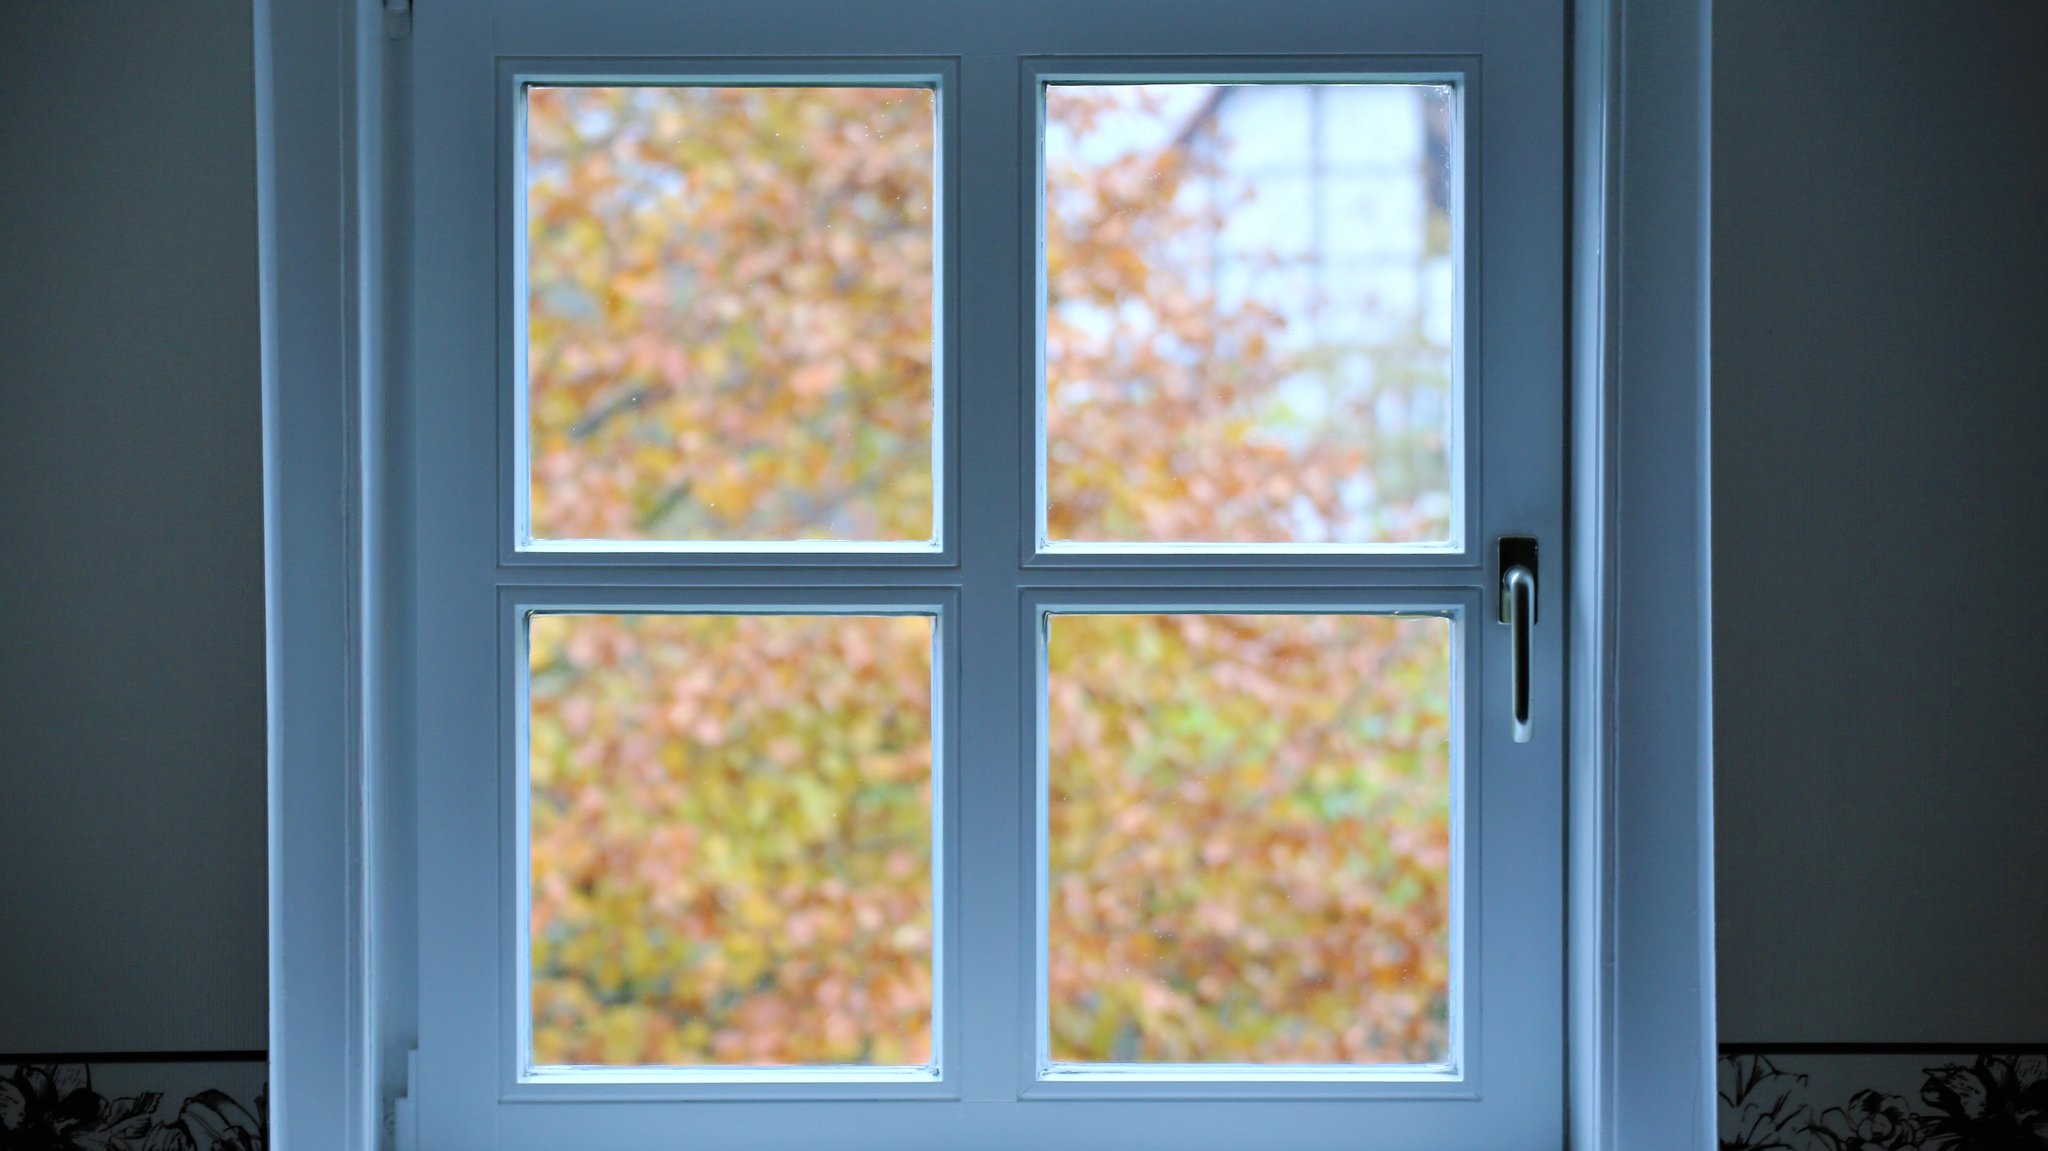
x=1641, y=882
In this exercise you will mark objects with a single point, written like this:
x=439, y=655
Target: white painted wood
x=1662, y=645
x=308, y=203
x=1642, y=967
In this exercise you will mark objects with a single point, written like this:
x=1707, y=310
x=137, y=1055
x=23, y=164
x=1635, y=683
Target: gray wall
x=131, y=672
x=1880, y=371
x=1880, y=336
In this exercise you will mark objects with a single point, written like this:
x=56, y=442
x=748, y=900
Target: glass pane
x=1252, y=306
x=731, y=839
x=1249, y=839
x=729, y=324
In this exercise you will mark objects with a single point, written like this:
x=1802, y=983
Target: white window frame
x=1640, y=952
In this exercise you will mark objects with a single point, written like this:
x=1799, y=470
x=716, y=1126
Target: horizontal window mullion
x=1171, y=579
x=796, y=579
x=852, y=599
x=855, y=576
x=1282, y=556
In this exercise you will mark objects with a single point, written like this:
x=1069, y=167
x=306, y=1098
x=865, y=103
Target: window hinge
x=401, y=1114
x=397, y=18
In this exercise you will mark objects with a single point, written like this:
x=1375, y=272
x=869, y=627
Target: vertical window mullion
x=993, y=380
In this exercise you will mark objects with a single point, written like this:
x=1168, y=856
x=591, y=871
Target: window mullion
x=989, y=1014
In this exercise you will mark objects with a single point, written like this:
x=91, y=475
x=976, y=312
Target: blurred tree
x=1200, y=391
x=730, y=297
x=730, y=313
x=731, y=839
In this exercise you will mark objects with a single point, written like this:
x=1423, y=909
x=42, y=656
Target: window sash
x=990, y=564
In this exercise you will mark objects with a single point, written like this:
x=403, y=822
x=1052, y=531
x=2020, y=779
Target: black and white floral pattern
x=53, y=1107
x=1986, y=1102
x=1962, y=1102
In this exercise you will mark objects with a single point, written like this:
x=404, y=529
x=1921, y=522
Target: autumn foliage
x=731, y=824
x=731, y=839
x=730, y=320
x=1248, y=838
x=1197, y=391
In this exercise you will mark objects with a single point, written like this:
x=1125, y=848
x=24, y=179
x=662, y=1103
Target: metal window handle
x=1518, y=611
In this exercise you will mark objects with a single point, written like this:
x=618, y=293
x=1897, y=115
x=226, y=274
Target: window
x=977, y=616
x=1085, y=631
x=1002, y=574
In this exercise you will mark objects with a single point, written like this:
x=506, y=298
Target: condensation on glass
x=1249, y=827
x=728, y=314
x=1251, y=314
x=730, y=840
